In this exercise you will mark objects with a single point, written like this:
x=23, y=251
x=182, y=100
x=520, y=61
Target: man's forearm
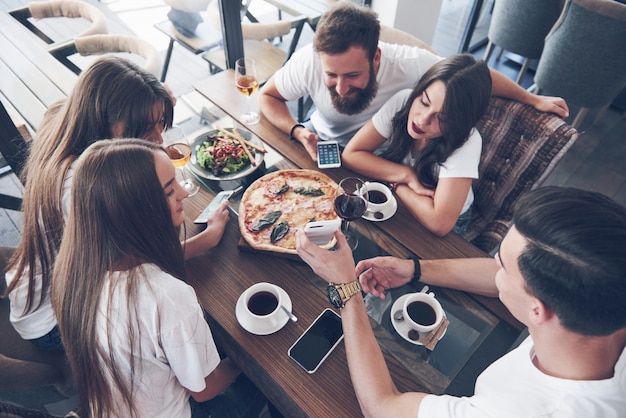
x=277, y=112
x=374, y=388
x=474, y=275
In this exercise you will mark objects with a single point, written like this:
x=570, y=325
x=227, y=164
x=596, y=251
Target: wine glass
x=178, y=149
x=247, y=83
x=350, y=204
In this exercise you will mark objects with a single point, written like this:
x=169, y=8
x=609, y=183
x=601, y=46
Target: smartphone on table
x=328, y=154
x=317, y=341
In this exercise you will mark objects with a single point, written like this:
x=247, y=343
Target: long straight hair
x=111, y=90
x=119, y=220
x=468, y=88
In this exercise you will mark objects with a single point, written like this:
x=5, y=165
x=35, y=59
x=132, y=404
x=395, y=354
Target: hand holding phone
x=321, y=232
x=219, y=198
x=328, y=155
x=317, y=341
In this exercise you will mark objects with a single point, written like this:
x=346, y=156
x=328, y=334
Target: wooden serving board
x=244, y=246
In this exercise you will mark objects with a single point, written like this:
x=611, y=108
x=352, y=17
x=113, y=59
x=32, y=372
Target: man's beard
x=359, y=101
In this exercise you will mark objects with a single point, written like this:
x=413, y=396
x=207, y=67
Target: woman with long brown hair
x=133, y=331
x=424, y=141
x=113, y=98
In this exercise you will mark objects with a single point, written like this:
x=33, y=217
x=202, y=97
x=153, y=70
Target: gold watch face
x=333, y=296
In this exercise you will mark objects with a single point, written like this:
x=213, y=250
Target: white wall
x=417, y=17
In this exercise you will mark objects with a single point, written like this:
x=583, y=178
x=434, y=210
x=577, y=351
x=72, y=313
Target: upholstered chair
x=584, y=57
x=61, y=8
x=104, y=44
x=521, y=147
x=520, y=26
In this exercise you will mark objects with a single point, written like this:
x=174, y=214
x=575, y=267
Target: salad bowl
x=207, y=173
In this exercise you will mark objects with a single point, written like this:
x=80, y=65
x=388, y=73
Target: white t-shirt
x=177, y=348
x=462, y=163
x=513, y=387
x=38, y=322
x=401, y=67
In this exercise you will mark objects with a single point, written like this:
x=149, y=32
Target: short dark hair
x=346, y=25
x=575, y=259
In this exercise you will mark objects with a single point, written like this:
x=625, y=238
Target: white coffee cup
x=422, y=312
x=379, y=197
x=262, y=302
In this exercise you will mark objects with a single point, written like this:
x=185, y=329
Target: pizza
x=276, y=205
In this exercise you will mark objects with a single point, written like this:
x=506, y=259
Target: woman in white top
x=133, y=330
x=428, y=148
x=112, y=98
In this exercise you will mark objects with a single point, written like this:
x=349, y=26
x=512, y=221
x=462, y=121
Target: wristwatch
x=339, y=294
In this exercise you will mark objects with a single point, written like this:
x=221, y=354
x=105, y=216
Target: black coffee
x=376, y=196
x=262, y=303
x=421, y=313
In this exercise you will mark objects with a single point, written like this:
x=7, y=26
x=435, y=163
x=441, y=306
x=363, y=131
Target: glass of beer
x=178, y=149
x=247, y=83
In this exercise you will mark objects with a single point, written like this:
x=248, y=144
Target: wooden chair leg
x=500, y=52
x=488, y=51
x=579, y=117
x=522, y=71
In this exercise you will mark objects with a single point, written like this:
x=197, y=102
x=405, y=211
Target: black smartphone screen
x=316, y=343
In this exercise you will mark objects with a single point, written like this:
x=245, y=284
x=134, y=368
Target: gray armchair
x=520, y=26
x=584, y=57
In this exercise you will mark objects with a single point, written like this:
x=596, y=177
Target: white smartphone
x=328, y=155
x=321, y=232
x=317, y=341
x=219, y=198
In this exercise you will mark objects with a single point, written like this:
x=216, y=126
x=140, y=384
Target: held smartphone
x=328, y=155
x=219, y=198
x=321, y=232
x=317, y=341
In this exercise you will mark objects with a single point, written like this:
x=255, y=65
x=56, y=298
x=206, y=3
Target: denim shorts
x=240, y=400
x=51, y=341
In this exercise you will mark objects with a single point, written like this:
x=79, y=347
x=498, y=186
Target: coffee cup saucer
x=390, y=209
x=401, y=326
x=260, y=327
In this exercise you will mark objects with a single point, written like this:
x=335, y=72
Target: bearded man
x=349, y=74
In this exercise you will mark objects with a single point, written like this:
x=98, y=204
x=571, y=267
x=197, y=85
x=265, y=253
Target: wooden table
x=480, y=329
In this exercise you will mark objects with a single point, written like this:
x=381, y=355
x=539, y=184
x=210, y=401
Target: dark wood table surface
x=481, y=328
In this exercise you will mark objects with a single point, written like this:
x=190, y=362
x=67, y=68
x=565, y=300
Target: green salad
x=222, y=155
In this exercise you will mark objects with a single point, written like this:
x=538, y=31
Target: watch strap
x=417, y=274
x=349, y=289
x=293, y=128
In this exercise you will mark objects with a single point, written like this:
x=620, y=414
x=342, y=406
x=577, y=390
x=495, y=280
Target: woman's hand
x=211, y=236
x=550, y=104
x=216, y=224
x=418, y=188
